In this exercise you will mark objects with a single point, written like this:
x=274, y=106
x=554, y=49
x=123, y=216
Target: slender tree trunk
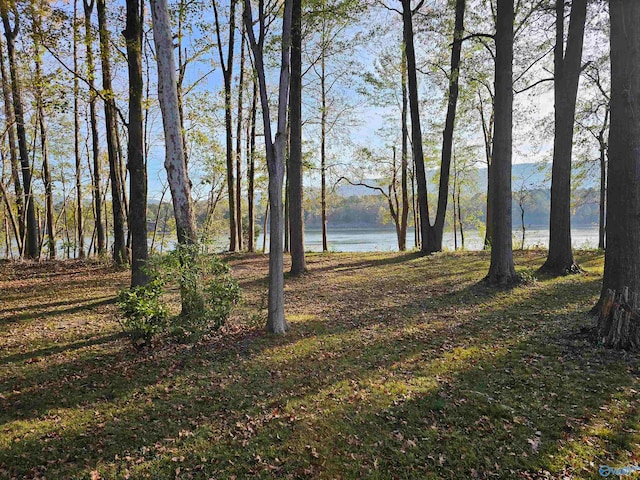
x=76, y=135
x=502, y=270
x=239, y=141
x=135, y=156
x=275, y=152
x=46, y=170
x=296, y=192
x=31, y=244
x=323, y=154
x=95, y=139
x=251, y=171
x=603, y=189
x=405, y=158
x=13, y=150
x=416, y=130
x=435, y=238
x=487, y=134
x=168, y=97
x=227, y=74
x=119, y=240
x=566, y=76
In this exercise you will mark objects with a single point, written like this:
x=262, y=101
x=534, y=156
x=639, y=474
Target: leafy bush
x=143, y=314
x=208, y=290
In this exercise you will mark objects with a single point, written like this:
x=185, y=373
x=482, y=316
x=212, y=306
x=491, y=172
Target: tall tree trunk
x=622, y=256
x=567, y=67
x=402, y=244
x=416, y=129
x=76, y=135
x=119, y=240
x=487, y=134
x=275, y=151
x=32, y=249
x=502, y=270
x=227, y=74
x=251, y=168
x=135, y=152
x=437, y=231
x=296, y=192
x=323, y=154
x=168, y=97
x=239, y=143
x=13, y=149
x=44, y=147
x=95, y=139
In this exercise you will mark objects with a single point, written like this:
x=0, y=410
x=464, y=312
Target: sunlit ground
x=397, y=366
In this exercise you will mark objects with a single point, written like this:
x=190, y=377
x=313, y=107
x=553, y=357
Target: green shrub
x=143, y=314
x=208, y=290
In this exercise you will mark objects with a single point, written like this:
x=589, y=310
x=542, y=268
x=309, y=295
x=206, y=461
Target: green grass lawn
x=396, y=366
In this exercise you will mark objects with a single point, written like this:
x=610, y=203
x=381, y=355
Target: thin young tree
x=227, y=74
x=93, y=121
x=567, y=68
x=76, y=135
x=119, y=241
x=502, y=270
x=135, y=152
x=275, y=151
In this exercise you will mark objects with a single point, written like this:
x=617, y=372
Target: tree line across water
x=289, y=63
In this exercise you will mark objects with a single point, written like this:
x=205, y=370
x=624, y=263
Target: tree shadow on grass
x=42, y=311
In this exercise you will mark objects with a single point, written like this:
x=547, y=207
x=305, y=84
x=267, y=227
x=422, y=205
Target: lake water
x=371, y=239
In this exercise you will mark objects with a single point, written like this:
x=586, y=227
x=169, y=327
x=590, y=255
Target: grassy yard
x=396, y=366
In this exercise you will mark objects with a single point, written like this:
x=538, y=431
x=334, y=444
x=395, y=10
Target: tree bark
x=13, y=151
x=251, y=168
x=502, y=270
x=296, y=192
x=275, y=150
x=135, y=152
x=567, y=67
x=93, y=120
x=239, y=143
x=31, y=249
x=119, y=240
x=76, y=136
x=434, y=243
x=416, y=130
x=622, y=256
x=168, y=97
x=402, y=242
x=227, y=74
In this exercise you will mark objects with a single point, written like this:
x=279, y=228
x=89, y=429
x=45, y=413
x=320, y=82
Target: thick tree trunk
x=416, y=130
x=619, y=321
x=13, y=149
x=435, y=238
x=502, y=270
x=296, y=213
x=566, y=76
x=168, y=98
x=135, y=155
x=31, y=249
x=119, y=240
x=622, y=256
x=95, y=138
x=275, y=151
